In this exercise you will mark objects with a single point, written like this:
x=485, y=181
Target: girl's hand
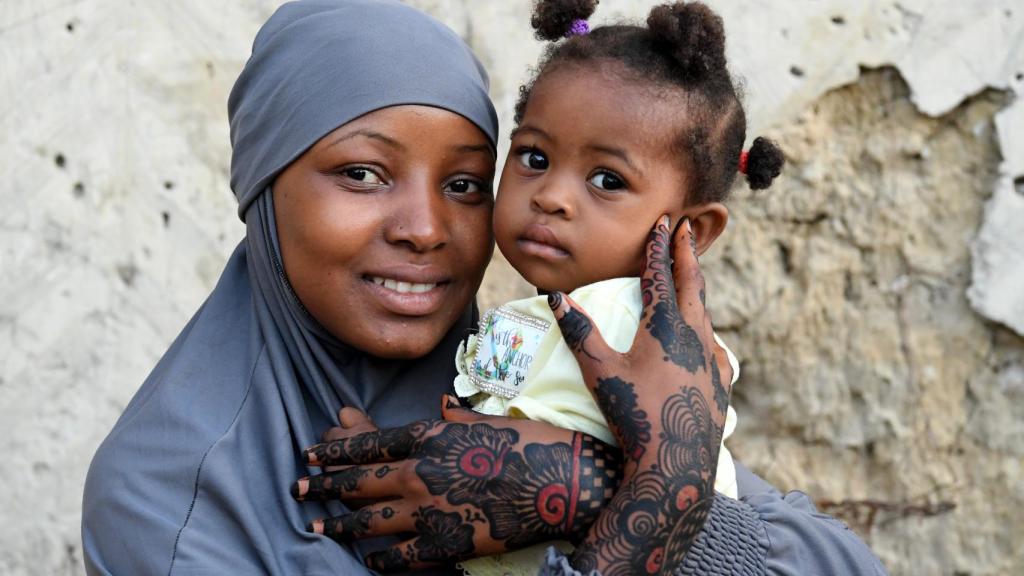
x=665, y=400
x=468, y=485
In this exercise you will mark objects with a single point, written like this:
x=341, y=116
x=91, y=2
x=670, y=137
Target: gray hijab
x=194, y=478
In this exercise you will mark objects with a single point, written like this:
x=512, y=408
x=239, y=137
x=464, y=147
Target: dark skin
x=469, y=485
x=590, y=167
x=378, y=200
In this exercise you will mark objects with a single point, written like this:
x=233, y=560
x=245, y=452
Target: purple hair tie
x=579, y=28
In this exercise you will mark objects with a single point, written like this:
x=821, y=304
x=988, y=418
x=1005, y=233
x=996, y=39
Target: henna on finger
x=369, y=447
x=375, y=520
x=442, y=537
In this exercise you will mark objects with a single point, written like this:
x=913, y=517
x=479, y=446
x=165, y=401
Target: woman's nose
x=419, y=220
x=555, y=197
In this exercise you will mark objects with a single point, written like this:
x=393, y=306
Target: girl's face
x=385, y=227
x=590, y=169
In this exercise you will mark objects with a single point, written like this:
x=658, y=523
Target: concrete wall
x=875, y=295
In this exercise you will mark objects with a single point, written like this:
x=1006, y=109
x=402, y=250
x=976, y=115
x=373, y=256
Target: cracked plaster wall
x=875, y=296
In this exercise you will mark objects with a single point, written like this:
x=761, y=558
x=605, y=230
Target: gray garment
x=764, y=532
x=195, y=476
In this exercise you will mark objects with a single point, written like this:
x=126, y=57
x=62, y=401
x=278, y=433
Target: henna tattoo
x=370, y=447
x=575, y=326
x=546, y=492
x=384, y=471
x=331, y=485
x=354, y=525
x=618, y=402
x=721, y=392
x=443, y=536
x=653, y=519
x=678, y=339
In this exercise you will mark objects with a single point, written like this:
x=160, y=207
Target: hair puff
x=764, y=163
x=552, y=19
x=693, y=35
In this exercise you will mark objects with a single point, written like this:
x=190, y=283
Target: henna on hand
x=494, y=479
x=668, y=482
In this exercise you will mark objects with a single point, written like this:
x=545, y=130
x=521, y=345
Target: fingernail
x=451, y=401
x=316, y=527
x=665, y=220
x=300, y=488
x=688, y=227
x=312, y=458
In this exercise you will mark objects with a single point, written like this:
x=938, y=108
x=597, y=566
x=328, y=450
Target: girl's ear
x=708, y=222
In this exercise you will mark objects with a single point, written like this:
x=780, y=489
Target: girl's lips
x=538, y=240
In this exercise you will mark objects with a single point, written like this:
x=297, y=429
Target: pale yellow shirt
x=551, y=387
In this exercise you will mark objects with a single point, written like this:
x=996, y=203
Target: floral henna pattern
x=618, y=402
x=332, y=485
x=464, y=460
x=443, y=536
x=654, y=517
x=540, y=494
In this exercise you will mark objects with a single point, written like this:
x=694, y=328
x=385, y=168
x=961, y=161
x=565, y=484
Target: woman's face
x=385, y=227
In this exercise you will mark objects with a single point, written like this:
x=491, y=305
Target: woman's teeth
x=402, y=287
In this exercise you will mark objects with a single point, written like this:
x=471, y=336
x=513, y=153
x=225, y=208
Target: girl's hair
x=681, y=48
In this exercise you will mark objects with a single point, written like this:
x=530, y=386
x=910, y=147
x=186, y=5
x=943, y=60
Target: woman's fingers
x=385, y=445
x=686, y=273
x=374, y=520
x=352, y=418
x=368, y=482
x=580, y=334
x=453, y=411
x=442, y=537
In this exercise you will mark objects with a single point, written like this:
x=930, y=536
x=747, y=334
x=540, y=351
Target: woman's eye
x=463, y=187
x=607, y=181
x=362, y=175
x=533, y=159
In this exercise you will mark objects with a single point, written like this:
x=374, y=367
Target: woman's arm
x=665, y=400
x=764, y=532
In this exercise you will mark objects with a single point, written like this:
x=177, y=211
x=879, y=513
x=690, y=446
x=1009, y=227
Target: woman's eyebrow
x=618, y=153
x=474, y=149
x=368, y=134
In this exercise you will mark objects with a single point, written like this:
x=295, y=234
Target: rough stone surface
x=860, y=293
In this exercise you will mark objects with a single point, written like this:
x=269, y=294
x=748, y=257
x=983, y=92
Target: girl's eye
x=533, y=159
x=607, y=181
x=463, y=187
x=362, y=175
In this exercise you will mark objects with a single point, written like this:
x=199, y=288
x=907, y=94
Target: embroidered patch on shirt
x=506, y=346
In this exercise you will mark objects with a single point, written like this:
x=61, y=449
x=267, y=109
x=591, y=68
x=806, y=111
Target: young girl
x=620, y=125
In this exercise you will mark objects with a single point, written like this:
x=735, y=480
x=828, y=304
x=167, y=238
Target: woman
x=363, y=152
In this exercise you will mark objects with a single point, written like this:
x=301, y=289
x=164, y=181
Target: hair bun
x=692, y=34
x=552, y=19
x=764, y=163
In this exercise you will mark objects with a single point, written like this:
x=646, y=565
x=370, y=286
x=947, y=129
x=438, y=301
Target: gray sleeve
x=764, y=533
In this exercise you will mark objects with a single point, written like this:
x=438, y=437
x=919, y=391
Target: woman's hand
x=665, y=400
x=466, y=486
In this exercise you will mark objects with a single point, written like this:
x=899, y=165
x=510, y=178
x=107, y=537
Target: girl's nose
x=555, y=197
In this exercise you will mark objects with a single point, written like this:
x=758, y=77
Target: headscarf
x=194, y=478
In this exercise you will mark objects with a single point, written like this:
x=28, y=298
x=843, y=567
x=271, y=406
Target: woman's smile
x=408, y=290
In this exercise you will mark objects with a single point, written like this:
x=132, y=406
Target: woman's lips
x=408, y=292
x=538, y=240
